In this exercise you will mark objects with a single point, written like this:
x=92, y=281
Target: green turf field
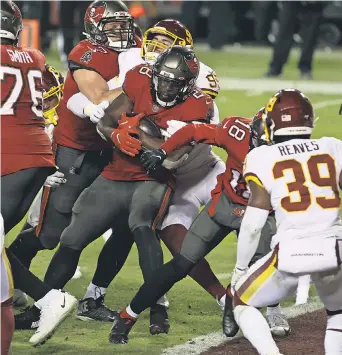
x=192, y=311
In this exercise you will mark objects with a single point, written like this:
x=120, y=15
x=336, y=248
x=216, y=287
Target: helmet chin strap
x=164, y=103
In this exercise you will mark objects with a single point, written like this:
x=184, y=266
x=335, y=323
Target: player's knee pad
x=182, y=265
x=333, y=336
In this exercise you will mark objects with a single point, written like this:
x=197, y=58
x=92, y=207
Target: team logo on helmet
x=95, y=13
x=192, y=62
x=17, y=12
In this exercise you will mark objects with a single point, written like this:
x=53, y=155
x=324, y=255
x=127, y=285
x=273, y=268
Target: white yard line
x=267, y=51
x=272, y=85
x=202, y=343
x=322, y=104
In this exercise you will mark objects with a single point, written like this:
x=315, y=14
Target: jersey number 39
x=299, y=185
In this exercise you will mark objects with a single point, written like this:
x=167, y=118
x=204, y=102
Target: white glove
x=174, y=126
x=236, y=276
x=55, y=180
x=95, y=112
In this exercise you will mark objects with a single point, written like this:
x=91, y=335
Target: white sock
x=255, y=329
x=273, y=310
x=130, y=312
x=94, y=291
x=163, y=301
x=333, y=338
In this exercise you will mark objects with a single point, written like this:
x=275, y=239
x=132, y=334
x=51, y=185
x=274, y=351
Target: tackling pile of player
x=131, y=131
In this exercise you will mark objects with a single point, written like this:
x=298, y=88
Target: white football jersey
x=302, y=178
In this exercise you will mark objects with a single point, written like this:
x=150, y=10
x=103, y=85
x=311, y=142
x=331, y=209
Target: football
x=148, y=126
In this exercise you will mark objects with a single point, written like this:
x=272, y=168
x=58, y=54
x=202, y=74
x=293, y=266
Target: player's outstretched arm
x=113, y=114
x=94, y=86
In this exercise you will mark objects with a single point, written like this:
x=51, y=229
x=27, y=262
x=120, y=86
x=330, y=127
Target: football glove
x=55, y=180
x=125, y=142
x=97, y=111
x=151, y=159
x=236, y=276
x=130, y=120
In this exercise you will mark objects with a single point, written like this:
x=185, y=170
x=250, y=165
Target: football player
x=163, y=91
x=7, y=316
x=196, y=176
x=81, y=154
x=222, y=215
x=53, y=84
x=26, y=158
x=300, y=179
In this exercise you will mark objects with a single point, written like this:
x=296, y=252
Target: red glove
x=125, y=142
x=129, y=121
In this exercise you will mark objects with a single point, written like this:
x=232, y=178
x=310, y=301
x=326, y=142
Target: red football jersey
x=73, y=131
x=232, y=134
x=137, y=84
x=24, y=143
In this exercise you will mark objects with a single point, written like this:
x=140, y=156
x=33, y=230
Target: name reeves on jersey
x=296, y=148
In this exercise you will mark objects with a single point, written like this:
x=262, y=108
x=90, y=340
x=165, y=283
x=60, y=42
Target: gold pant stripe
x=9, y=273
x=259, y=281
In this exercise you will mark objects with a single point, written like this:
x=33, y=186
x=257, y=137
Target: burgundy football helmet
x=288, y=113
x=174, y=30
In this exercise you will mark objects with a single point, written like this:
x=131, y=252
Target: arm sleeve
x=252, y=168
x=216, y=117
x=253, y=221
x=199, y=133
x=79, y=101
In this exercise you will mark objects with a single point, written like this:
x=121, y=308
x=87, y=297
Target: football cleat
x=159, y=320
x=91, y=309
x=229, y=325
x=28, y=319
x=278, y=324
x=120, y=329
x=56, y=306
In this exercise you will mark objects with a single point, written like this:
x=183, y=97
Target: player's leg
x=194, y=191
x=262, y=285
x=277, y=321
x=173, y=237
x=7, y=316
x=148, y=206
x=51, y=306
x=329, y=289
x=203, y=235
x=57, y=203
x=92, y=215
x=110, y=261
x=18, y=190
